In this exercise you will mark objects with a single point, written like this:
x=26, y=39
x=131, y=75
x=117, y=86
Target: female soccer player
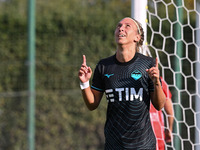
x=129, y=80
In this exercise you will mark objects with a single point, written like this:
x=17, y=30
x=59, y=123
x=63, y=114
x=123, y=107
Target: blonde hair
x=141, y=33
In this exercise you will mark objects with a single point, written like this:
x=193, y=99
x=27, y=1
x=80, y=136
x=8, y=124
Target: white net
x=173, y=35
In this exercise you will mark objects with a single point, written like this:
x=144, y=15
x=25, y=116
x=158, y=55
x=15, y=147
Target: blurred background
x=65, y=30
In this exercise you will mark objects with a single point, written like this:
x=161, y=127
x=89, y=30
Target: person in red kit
x=163, y=134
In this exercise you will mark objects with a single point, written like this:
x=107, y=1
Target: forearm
x=170, y=113
x=88, y=98
x=91, y=98
x=168, y=131
x=170, y=121
x=159, y=97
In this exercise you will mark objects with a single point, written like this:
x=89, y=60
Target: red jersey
x=157, y=119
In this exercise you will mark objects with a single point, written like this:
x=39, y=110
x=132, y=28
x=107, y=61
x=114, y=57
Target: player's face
x=126, y=32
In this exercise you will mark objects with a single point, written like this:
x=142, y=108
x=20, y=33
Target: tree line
x=65, y=30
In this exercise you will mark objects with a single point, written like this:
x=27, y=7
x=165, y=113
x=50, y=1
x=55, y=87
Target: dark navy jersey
x=127, y=87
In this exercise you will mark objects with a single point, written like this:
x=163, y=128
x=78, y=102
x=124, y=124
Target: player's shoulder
x=145, y=57
x=107, y=60
x=146, y=60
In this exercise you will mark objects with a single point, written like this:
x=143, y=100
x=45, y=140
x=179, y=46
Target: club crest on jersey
x=136, y=74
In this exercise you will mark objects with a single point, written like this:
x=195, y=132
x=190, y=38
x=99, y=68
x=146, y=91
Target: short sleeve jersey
x=127, y=87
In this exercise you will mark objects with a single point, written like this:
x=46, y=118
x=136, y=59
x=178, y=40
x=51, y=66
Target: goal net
x=173, y=35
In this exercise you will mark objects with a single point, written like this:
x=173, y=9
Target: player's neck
x=125, y=55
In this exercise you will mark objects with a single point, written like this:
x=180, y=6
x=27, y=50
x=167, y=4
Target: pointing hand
x=85, y=72
x=154, y=73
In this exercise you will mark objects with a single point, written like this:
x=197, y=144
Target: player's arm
x=91, y=97
x=170, y=116
x=158, y=97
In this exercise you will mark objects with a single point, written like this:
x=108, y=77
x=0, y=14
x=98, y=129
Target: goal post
x=138, y=12
x=172, y=33
x=197, y=135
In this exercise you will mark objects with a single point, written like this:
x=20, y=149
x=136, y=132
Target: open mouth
x=121, y=35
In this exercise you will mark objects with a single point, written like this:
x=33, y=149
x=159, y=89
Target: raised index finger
x=84, y=60
x=156, y=62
